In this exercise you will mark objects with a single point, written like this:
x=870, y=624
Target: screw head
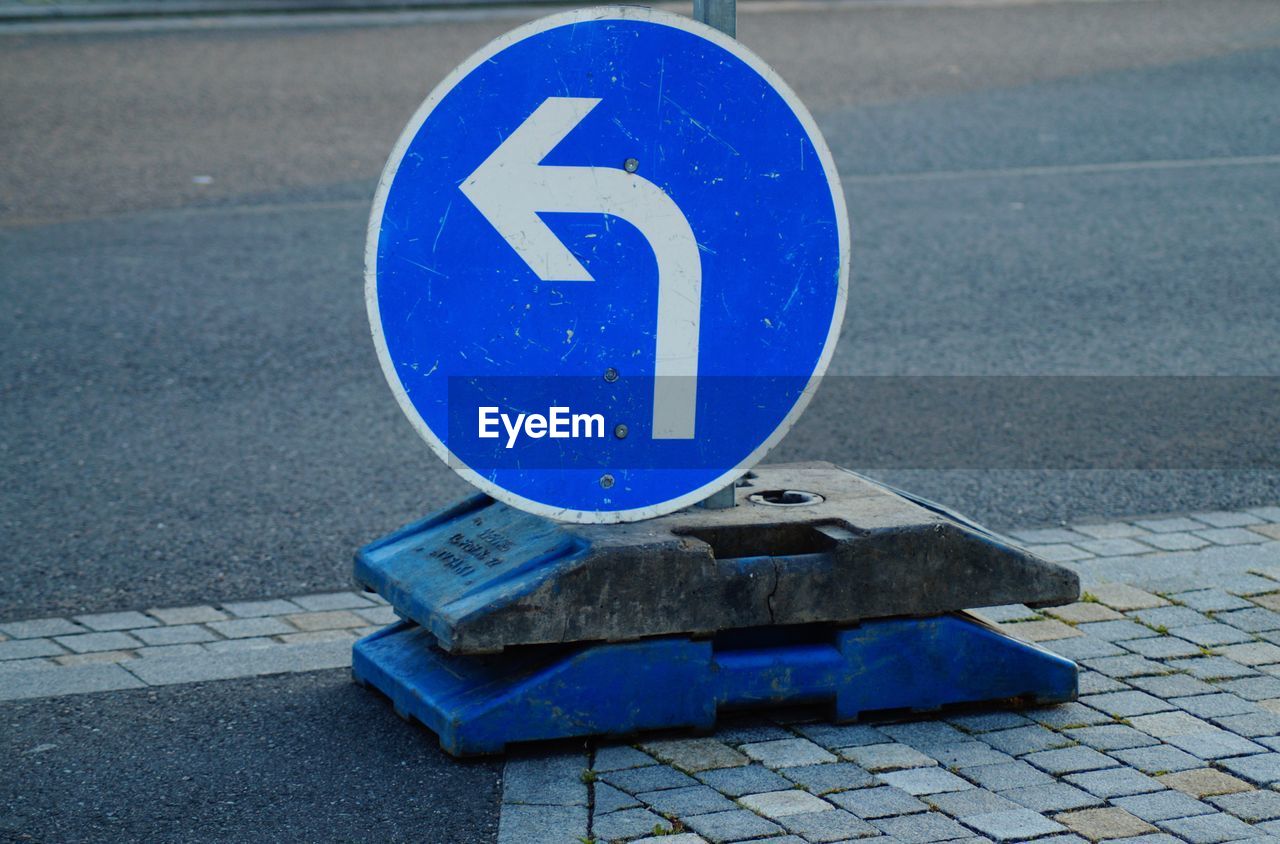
x=620, y=431
x=631, y=165
x=606, y=481
x=611, y=375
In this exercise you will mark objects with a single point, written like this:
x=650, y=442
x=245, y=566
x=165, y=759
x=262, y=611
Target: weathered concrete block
x=482, y=576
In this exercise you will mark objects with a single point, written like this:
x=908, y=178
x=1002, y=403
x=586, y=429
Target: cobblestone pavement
x=1176, y=736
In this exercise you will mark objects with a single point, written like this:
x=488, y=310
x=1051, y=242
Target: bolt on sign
x=607, y=264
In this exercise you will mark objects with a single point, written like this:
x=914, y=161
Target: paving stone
x=1215, y=745
x=923, y=734
x=86, y=642
x=1061, y=553
x=1067, y=715
x=1169, y=525
x=736, y=825
x=887, y=757
x=879, y=802
x=1252, y=619
x=1110, y=530
x=1163, y=647
x=1093, y=683
x=695, y=754
x=738, y=781
x=107, y=621
x=986, y=722
x=1231, y=536
x=1252, y=653
x=924, y=780
x=823, y=826
x=241, y=645
x=1127, y=704
x=1083, y=613
x=170, y=651
x=553, y=779
x=618, y=757
x=1085, y=647
x=832, y=736
x=332, y=601
x=325, y=620
x=1163, y=805
x=1165, y=725
x=1246, y=585
x=542, y=824
x=91, y=658
x=1272, y=705
x=690, y=800
x=1160, y=759
x=318, y=636
x=694, y=838
x=1269, y=602
x=784, y=753
x=1212, y=634
x=1007, y=613
x=1047, y=536
x=1047, y=630
x=1115, y=782
x=1013, y=825
x=1117, y=631
x=1253, y=688
x=29, y=649
x=179, y=634
x=1120, y=596
x=1173, y=685
x=627, y=823
x=777, y=804
x=1262, y=768
x=1070, y=760
x=1111, y=737
x=1113, y=547
x=1209, y=829
x=1052, y=797
x=824, y=779
x=281, y=659
x=1170, y=617
x=1250, y=806
x=1226, y=518
x=967, y=754
x=972, y=801
x=744, y=731
x=1105, y=824
x=1022, y=740
x=1271, y=514
x=1211, y=668
x=607, y=799
x=1124, y=667
x=1205, y=782
x=921, y=828
x=1006, y=776
x=1214, y=705
x=1271, y=828
x=1251, y=724
x=379, y=615
x=650, y=778
x=1176, y=541
x=39, y=628
x=243, y=628
x=1152, y=838
x=1062, y=839
x=257, y=609
x=20, y=684
x=1211, y=600
x=198, y=614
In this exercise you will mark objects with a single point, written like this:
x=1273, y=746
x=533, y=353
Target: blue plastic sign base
x=480, y=704
x=607, y=264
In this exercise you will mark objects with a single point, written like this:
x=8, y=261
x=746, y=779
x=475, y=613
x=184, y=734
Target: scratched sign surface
x=607, y=264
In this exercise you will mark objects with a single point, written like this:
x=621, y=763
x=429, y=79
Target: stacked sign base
x=818, y=587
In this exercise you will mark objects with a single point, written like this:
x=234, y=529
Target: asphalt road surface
x=192, y=409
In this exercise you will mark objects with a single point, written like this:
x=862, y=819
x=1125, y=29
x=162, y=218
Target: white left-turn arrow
x=511, y=186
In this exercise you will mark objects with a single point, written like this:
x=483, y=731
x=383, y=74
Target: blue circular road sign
x=607, y=264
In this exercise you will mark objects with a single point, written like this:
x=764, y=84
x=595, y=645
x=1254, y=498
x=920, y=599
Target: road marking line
x=1064, y=169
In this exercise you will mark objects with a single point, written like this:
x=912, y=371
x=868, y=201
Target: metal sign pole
x=723, y=15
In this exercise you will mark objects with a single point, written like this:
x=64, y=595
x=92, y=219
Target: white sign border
x=389, y=172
